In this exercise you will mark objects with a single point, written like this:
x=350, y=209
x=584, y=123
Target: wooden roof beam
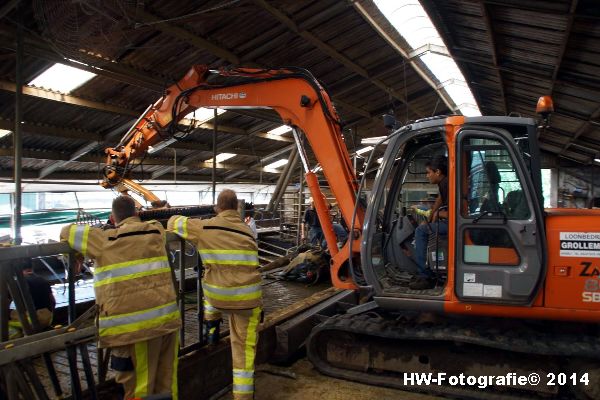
x=494, y=49
x=225, y=54
x=7, y=7
x=36, y=46
x=68, y=99
x=52, y=131
x=84, y=150
x=563, y=45
x=79, y=176
x=582, y=129
x=471, y=58
x=274, y=154
x=333, y=53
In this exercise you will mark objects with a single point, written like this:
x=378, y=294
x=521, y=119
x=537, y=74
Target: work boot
x=211, y=331
x=422, y=283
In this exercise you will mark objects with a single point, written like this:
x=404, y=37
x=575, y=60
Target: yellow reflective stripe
x=209, y=310
x=229, y=257
x=238, y=390
x=181, y=227
x=86, y=233
x=230, y=262
x=141, y=369
x=129, y=269
x=243, y=373
x=138, y=313
x=138, y=326
x=224, y=297
x=243, y=381
x=174, y=386
x=221, y=251
x=131, y=276
x=247, y=292
x=129, y=263
x=78, y=237
x=250, y=345
x=72, y=231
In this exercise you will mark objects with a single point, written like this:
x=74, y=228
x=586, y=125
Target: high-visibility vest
x=230, y=258
x=132, y=280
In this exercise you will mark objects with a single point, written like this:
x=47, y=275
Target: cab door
x=499, y=228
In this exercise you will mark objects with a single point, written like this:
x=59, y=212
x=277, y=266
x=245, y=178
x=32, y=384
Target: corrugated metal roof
x=142, y=58
x=540, y=48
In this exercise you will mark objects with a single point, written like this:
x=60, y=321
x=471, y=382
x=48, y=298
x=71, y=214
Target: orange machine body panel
x=573, y=279
x=571, y=288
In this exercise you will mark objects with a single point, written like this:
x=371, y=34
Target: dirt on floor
x=310, y=384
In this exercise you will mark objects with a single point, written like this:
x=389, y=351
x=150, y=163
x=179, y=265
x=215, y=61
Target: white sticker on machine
x=580, y=244
x=469, y=278
x=492, y=291
x=473, y=289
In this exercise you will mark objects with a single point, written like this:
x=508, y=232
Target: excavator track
x=381, y=350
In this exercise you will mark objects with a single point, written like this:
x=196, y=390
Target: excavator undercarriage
x=450, y=356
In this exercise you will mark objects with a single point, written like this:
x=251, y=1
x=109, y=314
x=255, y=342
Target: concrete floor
x=310, y=384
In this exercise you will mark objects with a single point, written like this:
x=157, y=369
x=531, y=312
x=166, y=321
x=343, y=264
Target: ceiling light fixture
x=277, y=164
x=280, y=130
x=62, y=78
x=224, y=156
x=364, y=150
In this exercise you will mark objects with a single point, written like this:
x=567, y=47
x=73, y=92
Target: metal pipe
x=174, y=165
x=287, y=176
x=300, y=203
x=17, y=138
x=199, y=299
x=181, y=292
x=591, y=205
x=214, y=166
x=71, y=287
x=284, y=177
x=4, y=302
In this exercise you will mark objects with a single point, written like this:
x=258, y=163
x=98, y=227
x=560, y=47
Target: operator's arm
x=434, y=214
x=186, y=228
x=83, y=238
x=436, y=205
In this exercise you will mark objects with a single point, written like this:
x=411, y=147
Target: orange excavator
x=516, y=287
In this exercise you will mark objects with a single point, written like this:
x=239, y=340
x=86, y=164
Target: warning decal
x=580, y=244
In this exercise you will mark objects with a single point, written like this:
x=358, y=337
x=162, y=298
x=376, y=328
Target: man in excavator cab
x=437, y=224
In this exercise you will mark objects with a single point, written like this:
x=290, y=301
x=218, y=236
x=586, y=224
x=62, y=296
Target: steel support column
x=17, y=138
x=300, y=203
x=214, y=166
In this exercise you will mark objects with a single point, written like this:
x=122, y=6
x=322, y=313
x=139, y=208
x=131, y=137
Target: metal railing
x=20, y=379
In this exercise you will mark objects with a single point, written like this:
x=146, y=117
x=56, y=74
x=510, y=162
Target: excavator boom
x=302, y=103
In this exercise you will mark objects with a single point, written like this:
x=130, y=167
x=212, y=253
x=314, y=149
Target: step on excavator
x=515, y=290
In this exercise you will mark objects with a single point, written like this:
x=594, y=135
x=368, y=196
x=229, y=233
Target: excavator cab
x=491, y=253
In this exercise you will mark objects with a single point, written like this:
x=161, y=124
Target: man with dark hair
x=43, y=302
x=138, y=313
x=231, y=283
x=437, y=171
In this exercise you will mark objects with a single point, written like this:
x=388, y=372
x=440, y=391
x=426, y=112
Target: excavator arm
x=126, y=185
x=302, y=103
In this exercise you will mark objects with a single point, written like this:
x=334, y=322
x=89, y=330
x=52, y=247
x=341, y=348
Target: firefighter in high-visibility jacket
x=138, y=314
x=231, y=283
